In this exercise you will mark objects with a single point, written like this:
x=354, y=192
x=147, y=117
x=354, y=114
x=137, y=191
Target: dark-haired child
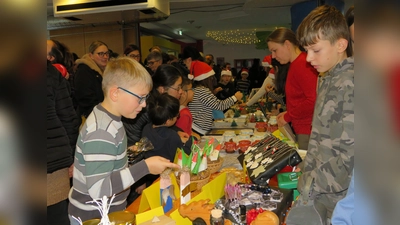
x=163, y=113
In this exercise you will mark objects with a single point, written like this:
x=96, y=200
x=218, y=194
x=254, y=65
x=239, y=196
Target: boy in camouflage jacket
x=328, y=165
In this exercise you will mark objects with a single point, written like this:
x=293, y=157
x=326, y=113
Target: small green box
x=295, y=194
x=288, y=180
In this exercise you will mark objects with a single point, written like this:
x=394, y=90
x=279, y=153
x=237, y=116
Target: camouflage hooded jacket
x=330, y=157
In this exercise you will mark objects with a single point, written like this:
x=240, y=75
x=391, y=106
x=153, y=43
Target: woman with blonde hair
x=89, y=76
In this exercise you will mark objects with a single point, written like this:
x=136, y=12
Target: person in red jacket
x=300, y=86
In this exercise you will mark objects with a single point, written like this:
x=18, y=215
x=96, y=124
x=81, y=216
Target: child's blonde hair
x=323, y=23
x=124, y=72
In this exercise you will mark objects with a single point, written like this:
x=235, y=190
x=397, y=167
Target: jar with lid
x=216, y=217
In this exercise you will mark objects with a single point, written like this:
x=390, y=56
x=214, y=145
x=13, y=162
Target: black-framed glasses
x=134, y=56
x=176, y=89
x=141, y=99
x=150, y=63
x=102, y=54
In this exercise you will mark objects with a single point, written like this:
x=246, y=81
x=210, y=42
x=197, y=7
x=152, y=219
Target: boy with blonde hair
x=328, y=165
x=100, y=164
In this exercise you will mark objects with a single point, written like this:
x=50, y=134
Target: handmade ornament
x=233, y=124
x=103, y=206
x=185, y=185
x=166, y=190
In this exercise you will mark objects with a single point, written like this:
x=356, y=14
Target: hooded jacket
x=88, y=91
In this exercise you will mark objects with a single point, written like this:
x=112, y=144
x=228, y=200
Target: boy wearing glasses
x=100, y=164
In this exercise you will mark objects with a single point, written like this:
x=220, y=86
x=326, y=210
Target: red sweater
x=185, y=120
x=301, y=85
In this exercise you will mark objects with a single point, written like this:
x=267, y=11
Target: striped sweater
x=100, y=165
x=202, y=106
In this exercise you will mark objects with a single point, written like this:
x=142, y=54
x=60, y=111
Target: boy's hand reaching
x=158, y=164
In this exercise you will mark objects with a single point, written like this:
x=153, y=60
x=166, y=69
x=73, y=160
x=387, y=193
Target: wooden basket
x=199, y=183
x=214, y=166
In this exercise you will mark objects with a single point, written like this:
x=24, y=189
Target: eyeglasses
x=176, y=89
x=134, y=56
x=141, y=99
x=191, y=89
x=102, y=54
x=150, y=63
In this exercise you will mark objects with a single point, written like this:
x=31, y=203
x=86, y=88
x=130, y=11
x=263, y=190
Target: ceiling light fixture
x=237, y=36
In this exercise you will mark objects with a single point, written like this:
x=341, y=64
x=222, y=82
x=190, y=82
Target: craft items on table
x=195, y=172
x=266, y=158
x=166, y=190
x=233, y=195
x=243, y=202
x=272, y=124
x=114, y=218
x=266, y=218
x=199, y=209
x=228, y=135
x=136, y=153
x=261, y=126
x=234, y=175
x=244, y=145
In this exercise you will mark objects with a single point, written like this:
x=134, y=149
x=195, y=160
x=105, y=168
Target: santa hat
x=200, y=71
x=61, y=68
x=267, y=62
x=226, y=72
x=244, y=70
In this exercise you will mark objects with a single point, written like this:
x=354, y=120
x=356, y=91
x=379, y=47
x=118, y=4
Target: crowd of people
x=113, y=101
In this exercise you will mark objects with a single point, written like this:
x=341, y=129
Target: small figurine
x=233, y=124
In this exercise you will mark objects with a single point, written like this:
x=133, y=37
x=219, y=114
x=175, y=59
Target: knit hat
x=200, y=71
x=244, y=70
x=226, y=72
x=267, y=62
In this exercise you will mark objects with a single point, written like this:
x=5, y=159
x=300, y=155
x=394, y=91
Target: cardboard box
x=163, y=220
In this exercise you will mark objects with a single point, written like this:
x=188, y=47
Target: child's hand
x=158, y=164
x=218, y=89
x=238, y=95
x=242, y=104
x=184, y=136
x=140, y=189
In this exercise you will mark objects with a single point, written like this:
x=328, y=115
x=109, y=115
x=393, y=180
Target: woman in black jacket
x=88, y=77
x=62, y=132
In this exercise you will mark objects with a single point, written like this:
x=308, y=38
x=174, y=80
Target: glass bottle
x=216, y=217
